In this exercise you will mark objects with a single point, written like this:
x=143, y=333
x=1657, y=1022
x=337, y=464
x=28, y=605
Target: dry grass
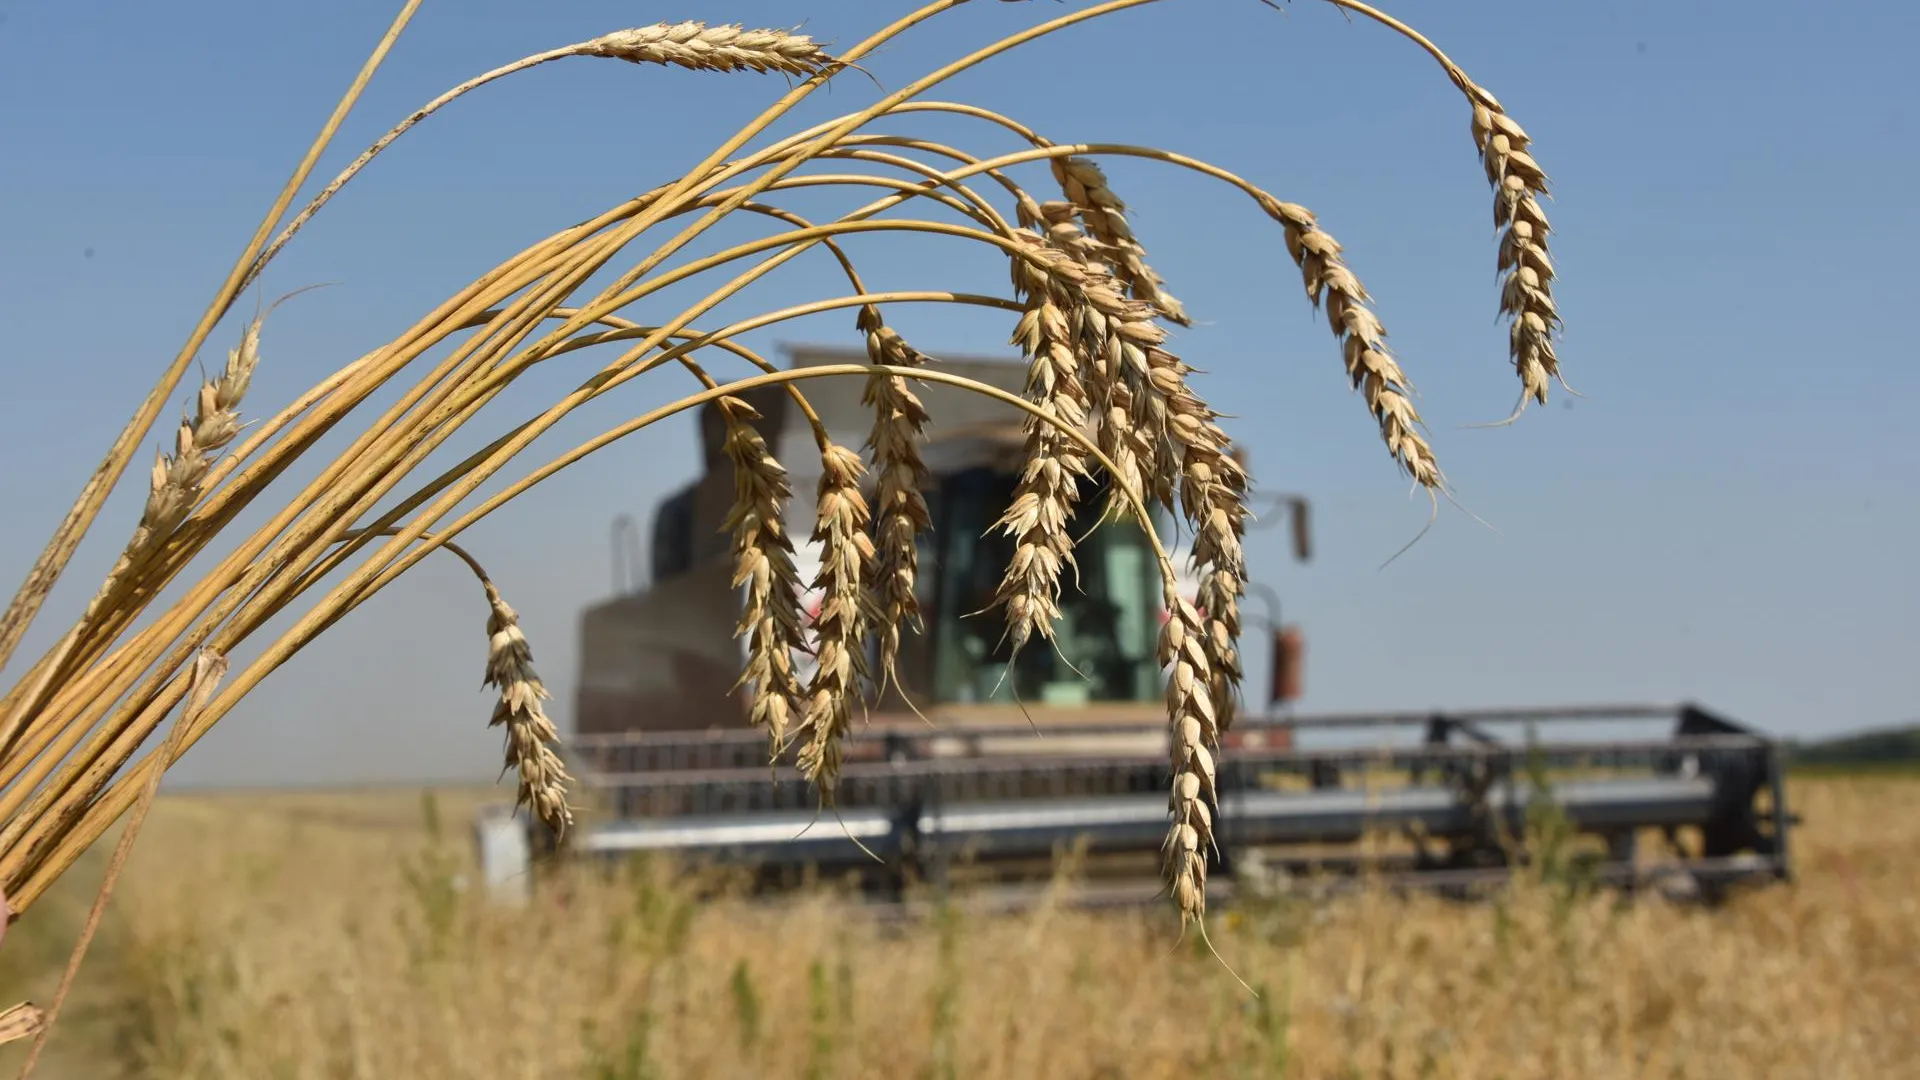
x=320, y=936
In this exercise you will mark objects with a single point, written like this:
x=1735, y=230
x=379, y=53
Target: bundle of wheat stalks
x=1105, y=392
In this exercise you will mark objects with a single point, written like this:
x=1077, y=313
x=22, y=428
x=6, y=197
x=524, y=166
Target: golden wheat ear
x=530, y=734
x=845, y=614
x=697, y=46
x=763, y=563
x=900, y=511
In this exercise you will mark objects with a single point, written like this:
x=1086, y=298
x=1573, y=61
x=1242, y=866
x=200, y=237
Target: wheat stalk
x=175, y=484
x=1526, y=293
x=692, y=45
x=1154, y=427
x=1110, y=363
x=175, y=481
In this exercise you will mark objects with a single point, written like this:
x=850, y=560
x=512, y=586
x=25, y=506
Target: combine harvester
x=1068, y=747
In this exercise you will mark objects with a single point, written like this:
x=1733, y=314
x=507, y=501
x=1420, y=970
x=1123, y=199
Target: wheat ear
x=1148, y=415
x=763, y=563
x=900, y=514
x=699, y=47
x=1370, y=367
x=530, y=735
x=1044, y=499
x=1108, y=344
x=1195, y=733
x=1085, y=186
x=840, y=630
x=176, y=480
x=1526, y=294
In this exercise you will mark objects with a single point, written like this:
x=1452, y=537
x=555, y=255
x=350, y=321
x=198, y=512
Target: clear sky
x=1720, y=518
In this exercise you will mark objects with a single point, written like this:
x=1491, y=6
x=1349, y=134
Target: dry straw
x=1106, y=397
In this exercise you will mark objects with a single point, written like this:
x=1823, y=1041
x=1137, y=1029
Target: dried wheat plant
x=1106, y=396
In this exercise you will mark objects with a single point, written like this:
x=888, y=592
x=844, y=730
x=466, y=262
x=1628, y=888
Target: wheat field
x=328, y=935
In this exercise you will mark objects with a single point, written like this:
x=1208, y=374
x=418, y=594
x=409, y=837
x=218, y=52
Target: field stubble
x=328, y=935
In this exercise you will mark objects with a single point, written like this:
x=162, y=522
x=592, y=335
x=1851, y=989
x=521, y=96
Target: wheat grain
x=530, y=734
x=699, y=47
x=1085, y=186
x=840, y=630
x=901, y=515
x=1370, y=367
x=763, y=562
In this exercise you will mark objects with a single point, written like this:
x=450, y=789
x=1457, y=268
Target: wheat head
x=1526, y=294
x=1085, y=186
x=901, y=514
x=1049, y=486
x=763, y=562
x=699, y=47
x=1195, y=734
x=840, y=630
x=530, y=734
x=1371, y=369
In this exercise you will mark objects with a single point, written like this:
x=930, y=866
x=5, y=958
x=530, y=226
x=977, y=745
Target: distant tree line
x=1886, y=746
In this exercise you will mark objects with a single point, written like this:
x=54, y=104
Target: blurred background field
x=331, y=935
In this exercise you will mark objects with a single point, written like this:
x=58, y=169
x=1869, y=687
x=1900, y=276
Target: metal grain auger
x=997, y=786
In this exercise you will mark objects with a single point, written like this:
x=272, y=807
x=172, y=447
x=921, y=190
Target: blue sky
x=1721, y=517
